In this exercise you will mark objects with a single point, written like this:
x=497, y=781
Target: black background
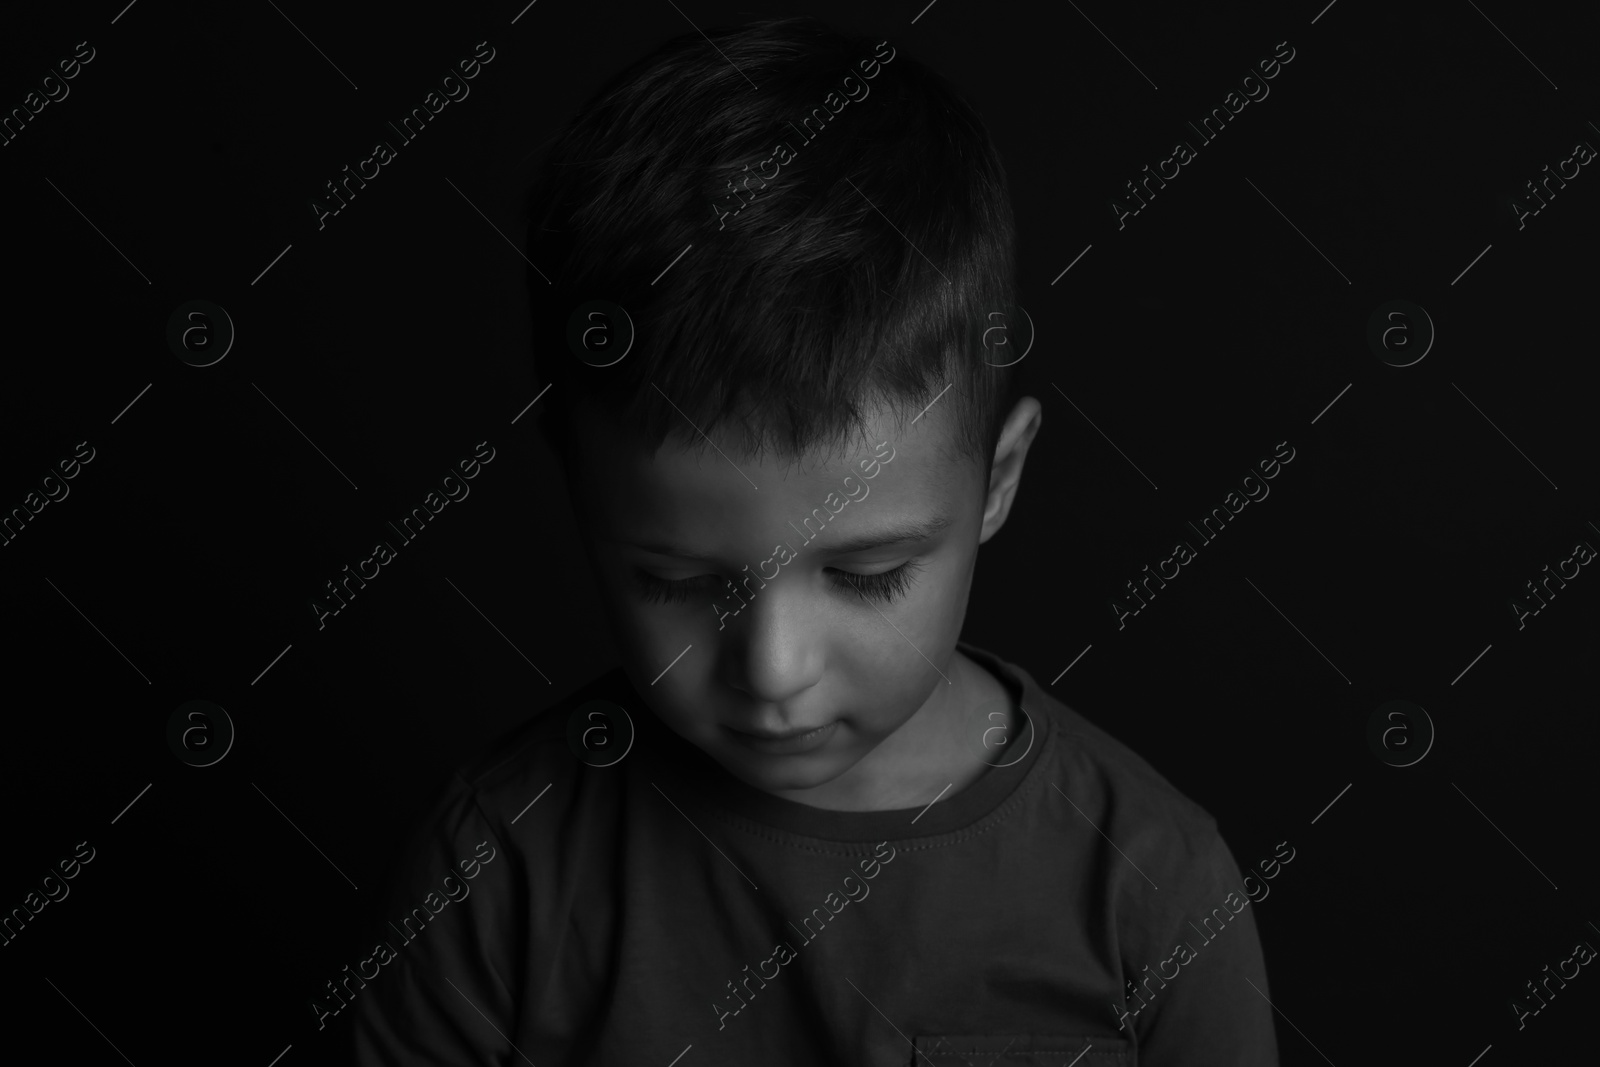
x=1196, y=338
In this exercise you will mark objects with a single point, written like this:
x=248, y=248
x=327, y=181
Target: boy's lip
x=789, y=742
x=778, y=735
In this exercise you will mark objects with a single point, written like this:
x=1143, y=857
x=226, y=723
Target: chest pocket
x=1021, y=1050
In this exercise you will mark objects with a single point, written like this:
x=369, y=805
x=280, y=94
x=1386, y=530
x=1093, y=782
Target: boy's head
x=807, y=368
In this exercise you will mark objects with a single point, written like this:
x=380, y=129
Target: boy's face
x=806, y=651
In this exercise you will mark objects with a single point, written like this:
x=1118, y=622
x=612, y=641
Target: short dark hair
x=854, y=277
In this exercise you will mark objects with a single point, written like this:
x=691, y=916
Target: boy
x=803, y=823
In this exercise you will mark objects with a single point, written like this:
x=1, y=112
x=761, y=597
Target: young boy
x=803, y=823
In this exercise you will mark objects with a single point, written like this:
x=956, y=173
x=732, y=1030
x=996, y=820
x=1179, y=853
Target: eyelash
x=886, y=586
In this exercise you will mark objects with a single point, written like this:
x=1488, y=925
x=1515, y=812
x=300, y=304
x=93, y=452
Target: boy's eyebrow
x=894, y=534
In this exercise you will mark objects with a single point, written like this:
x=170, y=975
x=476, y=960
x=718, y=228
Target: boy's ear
x=1006, y=472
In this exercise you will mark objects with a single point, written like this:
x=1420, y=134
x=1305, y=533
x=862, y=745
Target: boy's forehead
x=713, y=491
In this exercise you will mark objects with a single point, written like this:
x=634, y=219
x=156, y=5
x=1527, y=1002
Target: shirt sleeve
x=1204, y=985
x=443, y=993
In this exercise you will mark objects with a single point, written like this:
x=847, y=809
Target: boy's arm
x=444, y=996
x=1207, y=1013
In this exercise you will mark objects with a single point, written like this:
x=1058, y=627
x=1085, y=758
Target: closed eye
x=885, y=586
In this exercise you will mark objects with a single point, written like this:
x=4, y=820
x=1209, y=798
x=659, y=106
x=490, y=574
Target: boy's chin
x=773, y=774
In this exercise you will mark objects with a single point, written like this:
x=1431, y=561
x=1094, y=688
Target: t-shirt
x=658, y=910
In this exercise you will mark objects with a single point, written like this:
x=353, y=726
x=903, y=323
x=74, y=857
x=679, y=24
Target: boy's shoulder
x=1113, y=787
x=596, y=724
x=1090, y=758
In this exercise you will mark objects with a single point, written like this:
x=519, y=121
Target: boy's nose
x=774, y=649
